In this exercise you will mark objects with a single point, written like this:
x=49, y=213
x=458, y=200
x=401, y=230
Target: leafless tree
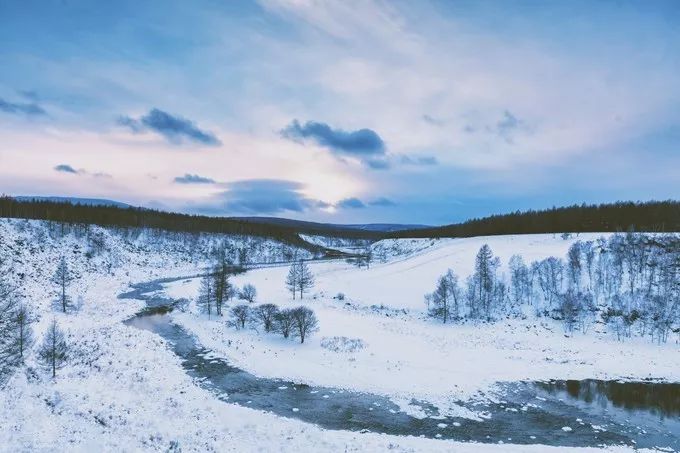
x=240, y=314
x=304, y=322
x=266, y=314
x=249, y=293
x=284, y=322
x=206, y=295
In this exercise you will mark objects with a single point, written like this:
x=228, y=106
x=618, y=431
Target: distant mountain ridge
x=373, y=227
x=75, y=200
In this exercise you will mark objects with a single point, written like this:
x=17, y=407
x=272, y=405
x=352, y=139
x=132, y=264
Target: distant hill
x=305, y=225
x=75, y=200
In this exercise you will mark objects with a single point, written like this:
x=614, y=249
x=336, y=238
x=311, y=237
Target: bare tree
x=284, y=322
x=266, y=314
x=221, y=286
x=206, y=295
x=520, y=280
x=53, y=353
x=304, y=322
x=249, y=293
x=444, y=302
x=305, y=278
x=299, y=278
x=292, y=279
x=63, y=277
x=574, y=265
x=240, y=314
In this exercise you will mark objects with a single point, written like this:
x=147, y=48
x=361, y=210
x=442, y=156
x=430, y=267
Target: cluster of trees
x=216, y=290
x=653, y=216
x=299, y=322
x=16, y=334
x=632, y=281
x=299, y=278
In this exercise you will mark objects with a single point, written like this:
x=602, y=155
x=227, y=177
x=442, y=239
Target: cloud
x=364, y=144
x=432, y=120
x=175, y=129
x=377, y=164
x=350, y=203
x=17, y=108
x=31, y=95
x=65, y=168
x=265, y=197
x=193, y=179
x=507, y=126
x=419, y=160
x=382, y=202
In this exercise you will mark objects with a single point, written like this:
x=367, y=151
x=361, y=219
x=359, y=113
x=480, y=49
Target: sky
x=418, y=112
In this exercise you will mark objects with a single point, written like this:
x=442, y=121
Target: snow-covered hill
x=124, y=390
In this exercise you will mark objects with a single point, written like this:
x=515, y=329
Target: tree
x=206, y=295
x=574, y=264
x=444, y=302
x=221, y=286
x=305, y=278
x=63, y=277
x=520, y=280
x=304, y=322
x=570, y=308
x=484, y=280
x=23, y=334
x=248, y=293
x=9, y=304
x=292, y=279
x=284, y=322
x=266, y=314
x=550, y=277
x=240, y=314
x=299, y=278
x=53, y=353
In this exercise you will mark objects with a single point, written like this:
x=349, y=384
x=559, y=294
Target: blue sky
x=367, y=111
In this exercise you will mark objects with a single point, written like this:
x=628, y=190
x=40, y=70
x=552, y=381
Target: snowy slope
x=125, y=391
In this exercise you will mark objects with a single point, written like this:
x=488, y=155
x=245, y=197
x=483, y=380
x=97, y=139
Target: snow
x=425, y=360
x=126, y=391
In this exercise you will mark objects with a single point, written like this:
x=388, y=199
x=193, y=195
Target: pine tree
x=53, y=353
x=62, y=277
x=9, y=305
x=485, y=279
x=23, y=334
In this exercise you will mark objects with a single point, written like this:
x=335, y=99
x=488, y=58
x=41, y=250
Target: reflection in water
x=657, y=398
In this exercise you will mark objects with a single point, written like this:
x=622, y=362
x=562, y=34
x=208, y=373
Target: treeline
x=132, y=217
x=631, y=282
x=652, y=216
